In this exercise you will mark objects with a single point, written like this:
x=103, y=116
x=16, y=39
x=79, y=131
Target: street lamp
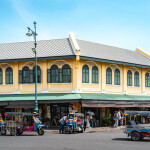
x=33, y=33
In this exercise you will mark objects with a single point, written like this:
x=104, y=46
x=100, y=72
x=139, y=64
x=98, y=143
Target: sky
x=120, y=23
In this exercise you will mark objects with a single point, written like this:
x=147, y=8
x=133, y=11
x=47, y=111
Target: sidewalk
x=90, y=130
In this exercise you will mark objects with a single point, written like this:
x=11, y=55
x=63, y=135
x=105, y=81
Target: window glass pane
x=7, y=78
x=117, y=77
x=54, y=74
x=11, y=79
x=85, y=74
x=147, y=80
x=9, y=75
x=129, y=78
x=108, y=76
x=94, y=74
x=136, y=78
x=25, y=75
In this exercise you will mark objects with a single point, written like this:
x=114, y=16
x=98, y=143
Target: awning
x=72, y=96
x=116, y=97
x=111, y=100
x=88, y=100
x=43, y=96
x=100, y=104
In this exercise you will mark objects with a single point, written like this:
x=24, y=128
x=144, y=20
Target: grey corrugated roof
x=100, y=51
x=45, y=48
x=62, y=47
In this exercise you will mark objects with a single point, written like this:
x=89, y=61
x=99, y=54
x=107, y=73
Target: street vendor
x=62, y=124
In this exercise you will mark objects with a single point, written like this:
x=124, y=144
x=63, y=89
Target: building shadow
x=129, y=140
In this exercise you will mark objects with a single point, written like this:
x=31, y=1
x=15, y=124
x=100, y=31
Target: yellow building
x=73, y=74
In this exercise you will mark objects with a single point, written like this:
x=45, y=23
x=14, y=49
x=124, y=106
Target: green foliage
x=107, y=119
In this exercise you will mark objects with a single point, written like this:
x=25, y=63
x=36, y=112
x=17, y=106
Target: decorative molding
x=16, y=92
x=103, y=92
x=134, y=69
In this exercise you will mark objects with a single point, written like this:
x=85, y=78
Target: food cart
x=135, y=131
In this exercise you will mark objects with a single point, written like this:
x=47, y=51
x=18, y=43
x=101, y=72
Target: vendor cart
x=2, y=125
x=18, y=122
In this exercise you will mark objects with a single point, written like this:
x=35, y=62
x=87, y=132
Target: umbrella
x=90, y=113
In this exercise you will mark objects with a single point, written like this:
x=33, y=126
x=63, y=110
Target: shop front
x=104, y=109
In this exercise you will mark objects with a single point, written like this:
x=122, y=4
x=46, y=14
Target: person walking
x=116, y=119
x=119, y=117
x=62, y=124
x=122, y=118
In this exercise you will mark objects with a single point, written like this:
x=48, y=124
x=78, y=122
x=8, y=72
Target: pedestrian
x=62, y=124
x=87, y=122
x=116, y=119
x=122, y=118
x=119, y=116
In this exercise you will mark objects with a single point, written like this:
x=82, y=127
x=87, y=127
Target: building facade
x=73, y=74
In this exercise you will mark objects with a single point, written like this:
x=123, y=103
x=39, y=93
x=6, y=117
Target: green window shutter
x=60, y=76
x=147, y=81
x=20, y=76
x=87, y=76
x=31, y=76
x=48, y=75
x=7, y=77
x=39, y=76
x=69, y=75
x=83, y=76
x=1, y=77
x=96, y=77
x=11, y=77
x=110, y=77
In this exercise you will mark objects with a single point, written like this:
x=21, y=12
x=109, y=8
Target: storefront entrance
x=96, y=117
x=57, y=111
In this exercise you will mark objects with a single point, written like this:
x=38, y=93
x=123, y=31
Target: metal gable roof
x=45, y=48
x=62, y=47
x=105, y=52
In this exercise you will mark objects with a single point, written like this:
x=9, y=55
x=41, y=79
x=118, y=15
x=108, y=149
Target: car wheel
x=135, y=136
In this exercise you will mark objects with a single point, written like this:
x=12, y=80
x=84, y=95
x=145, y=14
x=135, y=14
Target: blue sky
x=121, y=23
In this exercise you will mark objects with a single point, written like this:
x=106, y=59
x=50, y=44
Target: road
x=92, y=140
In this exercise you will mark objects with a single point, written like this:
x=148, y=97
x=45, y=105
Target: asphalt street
x=91, y=140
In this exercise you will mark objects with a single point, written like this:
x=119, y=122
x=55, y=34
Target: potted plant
x=107, y=120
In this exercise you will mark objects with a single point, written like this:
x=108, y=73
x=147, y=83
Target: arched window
x=38, y=74
x=54, y=74
x=136, y=79
x=66, y=74
x=1, y=76
x=94, y=74
x=25, y=75
x=117, y=77
x=108, y=76
x=129, y=78
x=9, y=75
x=147, y=80
x=85, y=74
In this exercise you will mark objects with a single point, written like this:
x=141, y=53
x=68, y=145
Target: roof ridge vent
x=74, y=41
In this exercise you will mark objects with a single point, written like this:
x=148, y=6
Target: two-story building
x=73, y=74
